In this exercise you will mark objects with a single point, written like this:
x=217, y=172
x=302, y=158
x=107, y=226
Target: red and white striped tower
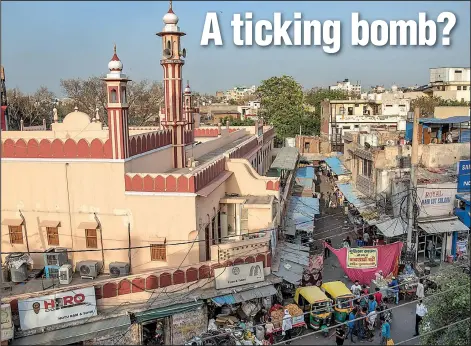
x=188, y=107
x=172, y=64
x=117, y=106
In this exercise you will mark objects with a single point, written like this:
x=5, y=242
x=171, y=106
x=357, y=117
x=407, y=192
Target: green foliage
x=282, y=106
x=238, y=122
x=448, y=308
x=315, y=96
x=427, y=104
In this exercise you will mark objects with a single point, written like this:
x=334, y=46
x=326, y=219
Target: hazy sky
x=43, y=42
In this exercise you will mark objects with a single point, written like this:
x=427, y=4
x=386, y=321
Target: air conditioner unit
x=55, y=257
x=119, y=269
x=65, y=274
x=87, y=269
x=51, y=272
x=20, y=274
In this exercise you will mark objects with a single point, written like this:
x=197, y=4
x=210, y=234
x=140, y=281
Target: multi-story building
x=450, y=83
x=239, y=92
x=146, y=218
x=347, y=87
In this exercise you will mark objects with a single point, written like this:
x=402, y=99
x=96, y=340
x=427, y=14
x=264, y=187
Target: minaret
x=172, y=64
x=117, y=107
x=188, y=107
x=3, y=95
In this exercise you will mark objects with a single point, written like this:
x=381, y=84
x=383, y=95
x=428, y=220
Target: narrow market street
x=335, y=228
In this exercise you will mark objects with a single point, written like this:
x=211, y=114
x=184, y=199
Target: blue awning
x=239, y=297
x=305, y=172
x=301, y=213
x=336, y=166
x=352, y=195
x=451, y=120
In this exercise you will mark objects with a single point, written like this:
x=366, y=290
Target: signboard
x=7, y=324
x=362, y=258
x=436, y=199
x=57, y=308
x=464, y=167
x=464, y=183
x=238, y=275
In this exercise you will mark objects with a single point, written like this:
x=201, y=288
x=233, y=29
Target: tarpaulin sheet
x=388, y=257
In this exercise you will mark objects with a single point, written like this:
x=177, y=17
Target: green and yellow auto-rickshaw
x=312, y=299
x=342, y=299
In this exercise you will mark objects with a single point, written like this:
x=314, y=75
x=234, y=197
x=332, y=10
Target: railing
x=144, y=142
x=268, y=134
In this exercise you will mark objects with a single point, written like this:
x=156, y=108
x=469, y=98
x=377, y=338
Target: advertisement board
x=362, y=258
x=464, y=167
x=57, y=308
x=464, y=176
x=436, y=199
x=238, y=275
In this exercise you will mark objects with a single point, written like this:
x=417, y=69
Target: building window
x=465, y=87
x=52, y=235
x=366, y=169
x=16, y=234
x=158, y=252
x=357, y=105
x=123, y=94
x=350, y=110
x=307, y=145
x=458, y=87
x=113, y=96
x=91, y=239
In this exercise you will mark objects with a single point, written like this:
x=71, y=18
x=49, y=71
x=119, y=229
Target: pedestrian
x=364, y=290
x=359, y=241
x=339, y=335
x=420, y=312
x=366, y=238
x=269, y=330
x=327, y=200
x=371, y=319
x=372, y=304
x=385, y=331
x=378, y=296
x=394, y=288
x=286, y=326
x=326, y=250
x=351, y=324
x=429, y=248
x=362, y=325
x=420, y=291
x=348, y=241
x=356, y=289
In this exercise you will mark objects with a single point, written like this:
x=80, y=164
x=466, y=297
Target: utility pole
x=413, y=178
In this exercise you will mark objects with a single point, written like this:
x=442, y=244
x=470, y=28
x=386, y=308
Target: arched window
x=123, y=94
x=169, y=45
x=113, y=96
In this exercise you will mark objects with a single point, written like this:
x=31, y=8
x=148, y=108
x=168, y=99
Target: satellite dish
x=183, y=54
x=167, y=53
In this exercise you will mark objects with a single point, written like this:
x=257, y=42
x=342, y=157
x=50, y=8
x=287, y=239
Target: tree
x=144, y=99
x=238, y=122
x=447, y=308
x=281, y=105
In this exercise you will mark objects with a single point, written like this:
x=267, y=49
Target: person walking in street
x=385, y=331
x=356, y=289
x=372, y=304
x=348, y=241
x=378, y=296
x=351, y=325
x=326, y=250
x=286, y=326
x=360, y=242
x=339, y=335
x=269, y=326
x=394, y=288
x=420, y=291
x=366, y=238
x=327, y=200
x=420, y=312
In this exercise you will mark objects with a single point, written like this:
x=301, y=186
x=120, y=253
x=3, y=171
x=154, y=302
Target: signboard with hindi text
x=362, y=258
x=57, y=308
x=238, y=275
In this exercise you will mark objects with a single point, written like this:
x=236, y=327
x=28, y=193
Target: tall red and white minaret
x=172, y=64
x=188, y=107
x=117, y=107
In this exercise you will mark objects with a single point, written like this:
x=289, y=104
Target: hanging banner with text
x=362, y=258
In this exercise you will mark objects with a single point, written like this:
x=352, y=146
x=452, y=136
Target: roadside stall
x=277, y=313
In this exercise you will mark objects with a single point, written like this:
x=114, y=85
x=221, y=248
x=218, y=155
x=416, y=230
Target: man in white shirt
x=366, y=238
x=420, y=292
x=356, y=289
x=420, y=312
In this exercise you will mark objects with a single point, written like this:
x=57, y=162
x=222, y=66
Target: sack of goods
x=277, y=317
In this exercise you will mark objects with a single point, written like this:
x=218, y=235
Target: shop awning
x=392, y=228
x=154, y=314
x=71, y=335
x=12, y=222
x=336, y=166
x=286, y=159
x=353, y=196
x=88, y=225
x=443, y=226
x=49, y=223
x=261, y=292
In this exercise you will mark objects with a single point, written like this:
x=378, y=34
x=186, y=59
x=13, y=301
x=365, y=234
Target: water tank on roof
x=401, y=125
x=365, y=128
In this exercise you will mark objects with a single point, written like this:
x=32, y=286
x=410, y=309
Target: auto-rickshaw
x=342, y=299
x=312, y=299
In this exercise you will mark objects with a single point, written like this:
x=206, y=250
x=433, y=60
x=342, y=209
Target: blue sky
x=43, y=42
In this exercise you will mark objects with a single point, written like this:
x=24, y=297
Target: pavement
x=332, y=224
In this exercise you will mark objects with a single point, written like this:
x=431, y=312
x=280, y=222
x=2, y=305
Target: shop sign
x=464, y=183
x=57, y=308
x=362, y=258
x=464, y=167
x=7, y=324
x=436, y=199
x=237, y=275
